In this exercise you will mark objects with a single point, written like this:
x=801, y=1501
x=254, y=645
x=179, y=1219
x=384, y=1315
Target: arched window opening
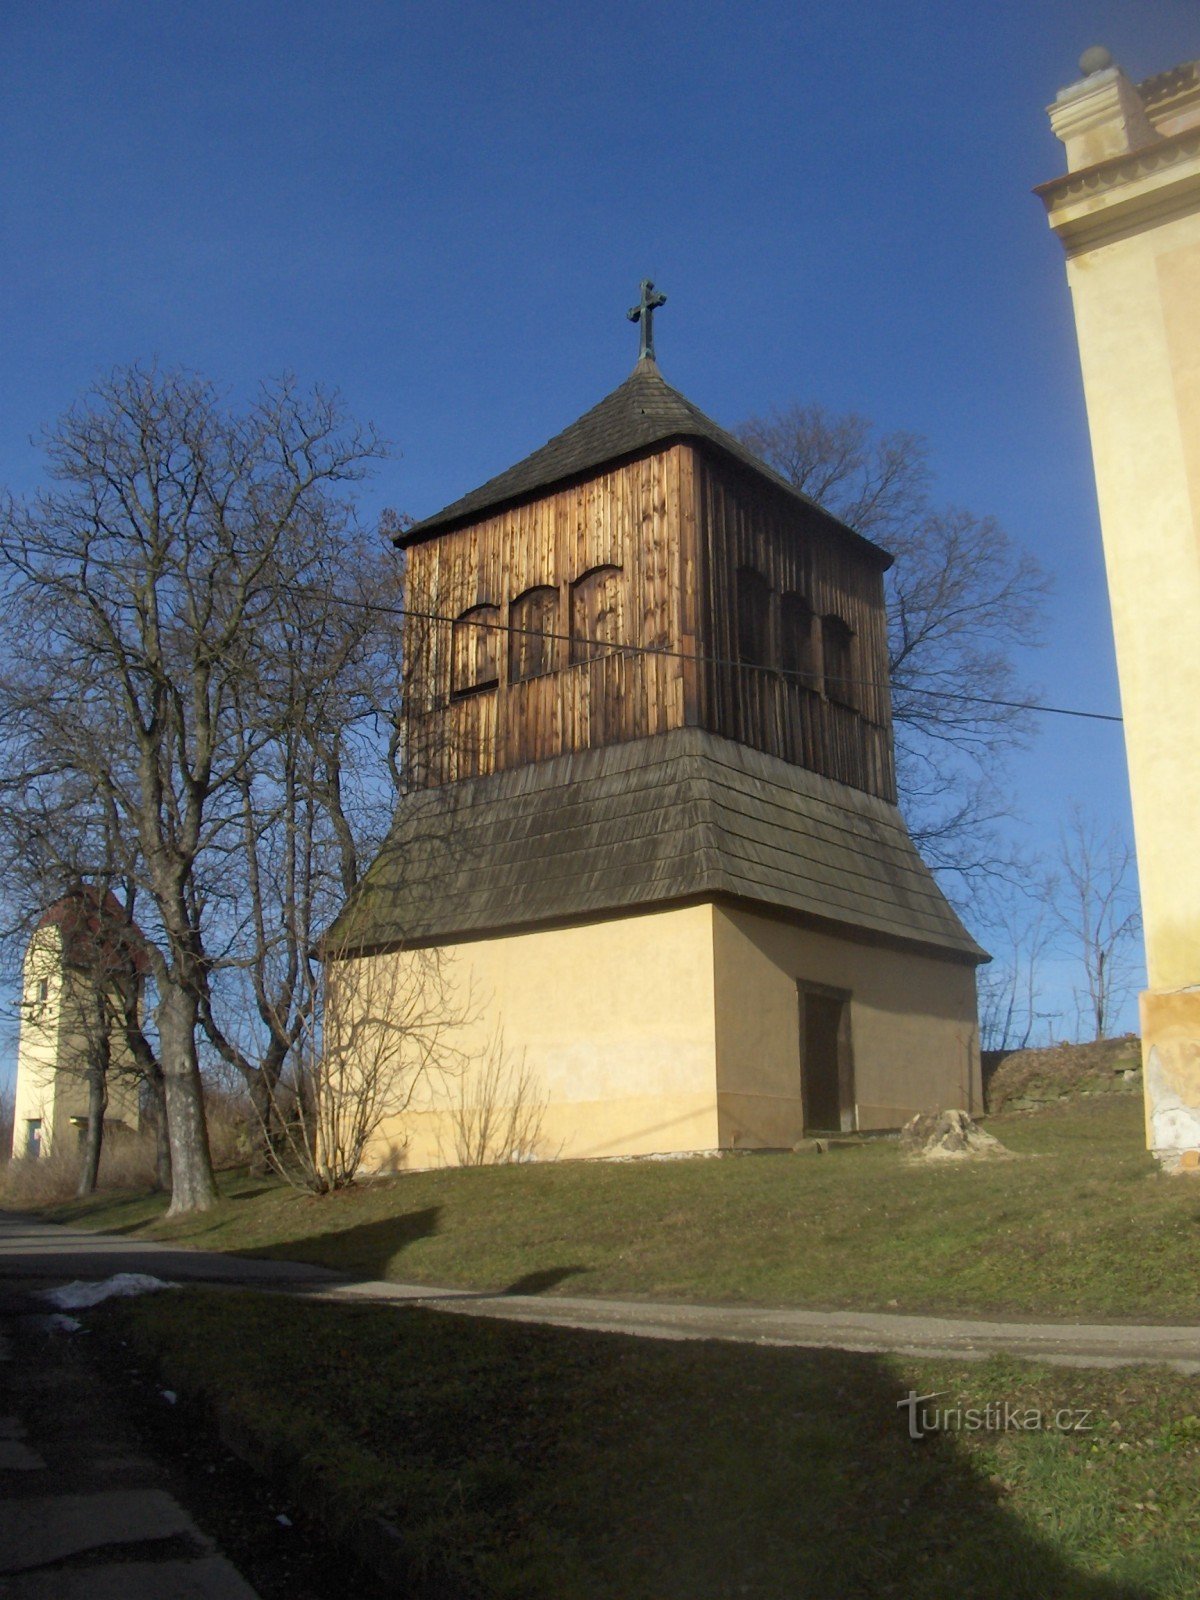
x=596, y=620
x=532, y=640
x=837, y=639
x=753, y=618
x=475, y=650
x=799, y=641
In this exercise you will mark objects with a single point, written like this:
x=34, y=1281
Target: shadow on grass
x=369, y=1252
x=578, y=1464
x=703, y=1470
x=792, y=1474
x=364, y=1252
x=147, y=1206
x=122, y=1230
x=541, y=1282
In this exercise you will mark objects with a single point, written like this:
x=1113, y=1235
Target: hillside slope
x=1026, y=1080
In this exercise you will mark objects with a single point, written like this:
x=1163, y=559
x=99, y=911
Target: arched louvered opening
x=533, y=645
x=475, y=650
x=597, y=624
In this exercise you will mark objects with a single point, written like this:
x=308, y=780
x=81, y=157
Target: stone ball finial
x=1097, y=59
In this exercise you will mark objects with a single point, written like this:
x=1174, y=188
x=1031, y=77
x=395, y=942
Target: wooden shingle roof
x=676, y=817
x=642, y=412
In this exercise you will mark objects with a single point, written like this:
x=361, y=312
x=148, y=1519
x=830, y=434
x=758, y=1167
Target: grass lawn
x=1081, y=1226
x=520, y=1461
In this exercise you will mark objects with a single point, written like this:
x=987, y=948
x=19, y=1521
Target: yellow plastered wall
x=50, y=1086
x=1131, y=230
x=913, y=1027
x=37, y=1048
x=666, y=1032
x=611, y=1022
x=1137, y=310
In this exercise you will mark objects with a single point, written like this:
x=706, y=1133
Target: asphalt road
x=85, y=1513
x=31, y=1249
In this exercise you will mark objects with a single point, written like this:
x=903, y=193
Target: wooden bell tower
x=650, y=813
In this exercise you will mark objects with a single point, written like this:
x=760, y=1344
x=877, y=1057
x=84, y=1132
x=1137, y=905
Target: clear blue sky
x=444, y=210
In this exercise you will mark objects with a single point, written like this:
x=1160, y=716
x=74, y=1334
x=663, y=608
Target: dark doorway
x=826, y=1074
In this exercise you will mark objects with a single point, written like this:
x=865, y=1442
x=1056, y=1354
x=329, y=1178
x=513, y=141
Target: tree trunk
x=162, y=1139
x=97, y=1106
x=1100, y=996
x=97, y=1023
x=193, y=1187
x=263, y=1120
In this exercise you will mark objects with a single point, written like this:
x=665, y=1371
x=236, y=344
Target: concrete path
x=44, y=1250
x=1072, y=1344
x=84, y=1515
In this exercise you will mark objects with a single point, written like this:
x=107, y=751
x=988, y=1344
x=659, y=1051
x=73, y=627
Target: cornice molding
x=1106, y=176
x=1166, y=85
x=1127, y=196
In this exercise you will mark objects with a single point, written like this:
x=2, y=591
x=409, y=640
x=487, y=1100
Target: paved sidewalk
x=958, y=1338
x=83, y=1514
x=45, y=1250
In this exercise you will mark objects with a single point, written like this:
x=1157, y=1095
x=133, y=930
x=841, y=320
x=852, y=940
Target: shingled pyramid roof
x=672, y=818
x=642, y=412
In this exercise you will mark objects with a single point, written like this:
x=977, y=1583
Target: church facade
x=650, y=835
x=1127, y=212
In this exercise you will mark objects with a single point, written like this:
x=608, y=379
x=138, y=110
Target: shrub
x=127, y=1162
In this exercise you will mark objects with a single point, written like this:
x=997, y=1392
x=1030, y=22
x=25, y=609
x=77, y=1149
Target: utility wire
x=324, y=596
x=605, y=649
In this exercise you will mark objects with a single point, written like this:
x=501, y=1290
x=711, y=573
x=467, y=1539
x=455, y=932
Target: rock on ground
x=948, y=1135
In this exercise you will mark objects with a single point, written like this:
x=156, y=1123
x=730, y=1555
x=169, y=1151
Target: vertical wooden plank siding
x=677, y=523
x=746, y=524
x=626, y=517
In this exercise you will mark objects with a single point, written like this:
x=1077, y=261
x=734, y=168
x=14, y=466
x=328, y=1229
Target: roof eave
x=439, y=523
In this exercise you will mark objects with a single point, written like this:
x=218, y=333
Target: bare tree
x=142, y=591
x=497, y=1110
x=379, y=1031
x=961, y=598
x=314, y=796
x=106, y=953
x=71, y=978
x=7, y=1121
x=60, y=857
x=1020, y=933
x=1095, y=903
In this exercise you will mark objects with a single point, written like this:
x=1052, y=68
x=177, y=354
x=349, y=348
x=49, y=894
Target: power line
x=667, y=653
x=958, y=697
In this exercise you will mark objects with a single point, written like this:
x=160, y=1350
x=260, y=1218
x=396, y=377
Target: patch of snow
x=57, y=1323
x=672, y=1155
x=74, y=1296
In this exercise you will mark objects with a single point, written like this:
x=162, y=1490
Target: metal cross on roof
x=643, y=312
